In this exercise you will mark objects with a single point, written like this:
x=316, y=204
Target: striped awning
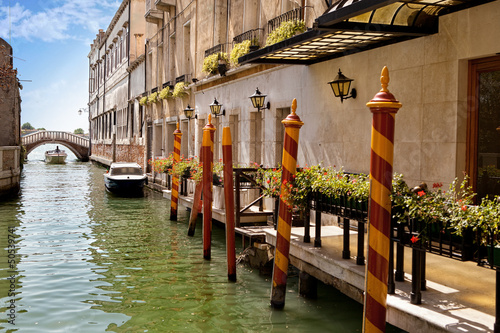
x=351, y=26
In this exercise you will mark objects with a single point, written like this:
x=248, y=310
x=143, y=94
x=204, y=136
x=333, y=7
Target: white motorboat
x=124, y=178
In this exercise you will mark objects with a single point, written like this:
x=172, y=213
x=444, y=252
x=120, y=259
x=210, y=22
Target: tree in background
x=78, y=131
x=27, y=126
x=41, y=129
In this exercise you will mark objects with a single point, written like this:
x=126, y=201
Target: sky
x=51, y=40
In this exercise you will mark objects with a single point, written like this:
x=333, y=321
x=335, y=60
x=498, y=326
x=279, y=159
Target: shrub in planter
x=211, y=63
x=165, y=93
x=153, y=98
x=239, y=50
x=286, y=30
x=143, y=100
x=180, y=90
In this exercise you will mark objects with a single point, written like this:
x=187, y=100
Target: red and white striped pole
x=227, y=159
x=384, y=107
x=207, y=158
x=174, y=199
x=291, y=144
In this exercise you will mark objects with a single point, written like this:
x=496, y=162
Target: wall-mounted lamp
x=258, y=100
x=82, y=110
x=194, y=80
x=341, y=86
x=215, y=108
x=189, y=113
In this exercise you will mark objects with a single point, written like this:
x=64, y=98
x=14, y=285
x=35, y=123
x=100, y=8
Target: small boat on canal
x=56, y=156
x=125, y=178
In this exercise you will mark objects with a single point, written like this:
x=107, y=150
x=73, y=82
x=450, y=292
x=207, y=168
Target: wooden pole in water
x=291, y=143
x=197, y=204
x=383, y=107
x=174, y=199
x=227, y=153
x=208, y=157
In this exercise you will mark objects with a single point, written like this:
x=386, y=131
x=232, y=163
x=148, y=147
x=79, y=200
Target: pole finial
x=384, y=79
x=209, y=118
x=177, y=125
x=294, y=106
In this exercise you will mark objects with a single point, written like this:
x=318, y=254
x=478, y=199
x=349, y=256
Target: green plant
x=211, y=62
x=162, y=165
x=165, y=93
x=286, y=30
x=153, y=98
x=270, y=180
x=180, y=90
x=239, y=50
x=143, y=100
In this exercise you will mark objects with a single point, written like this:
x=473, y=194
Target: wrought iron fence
x=254, y=36
x=216, y=49
x=294, y=14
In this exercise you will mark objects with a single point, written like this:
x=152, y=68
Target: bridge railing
x=55, y=135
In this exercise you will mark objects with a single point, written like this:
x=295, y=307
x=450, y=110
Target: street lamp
x=82, y=110
x=215, y=108
x=341, y=85
x=189, y=113
x=258, y=101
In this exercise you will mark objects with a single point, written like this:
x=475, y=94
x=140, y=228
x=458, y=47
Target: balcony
x=164, y=5
x=153, y=15
x=294, y=14
x=216, y=49
x=254, y=36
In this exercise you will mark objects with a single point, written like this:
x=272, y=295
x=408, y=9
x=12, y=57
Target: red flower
x=414, y=239
x=463, y=208
x=268, y=181
x=421, y=193
x=436, y=185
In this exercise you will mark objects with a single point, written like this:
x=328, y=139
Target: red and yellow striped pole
x=383, y=107
x=207, y=158
x=174, y=199
x=291, y=144
x=195, y=209
x=227, y=159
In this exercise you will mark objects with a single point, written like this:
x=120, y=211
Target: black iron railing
x=181, y=78
x=253, y=36
x=294, y=14
x=216, y=49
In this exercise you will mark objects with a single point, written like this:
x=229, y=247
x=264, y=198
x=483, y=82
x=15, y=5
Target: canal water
x=74, y=258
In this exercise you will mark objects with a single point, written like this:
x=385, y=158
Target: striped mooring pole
x=174, y=200
x=227, y=159
x=292, y=125
x=384, y=107
x=207, y=158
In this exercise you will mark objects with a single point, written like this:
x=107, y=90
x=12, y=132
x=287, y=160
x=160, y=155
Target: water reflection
x=89, y=261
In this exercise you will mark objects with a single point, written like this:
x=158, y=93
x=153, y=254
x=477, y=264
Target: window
x=121, y=126
x=483, y=126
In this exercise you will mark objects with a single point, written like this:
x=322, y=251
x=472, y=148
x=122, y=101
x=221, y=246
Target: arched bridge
x=77, y=144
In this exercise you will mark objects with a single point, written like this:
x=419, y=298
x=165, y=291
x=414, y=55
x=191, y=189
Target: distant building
x=116, y=70
x=10, y=124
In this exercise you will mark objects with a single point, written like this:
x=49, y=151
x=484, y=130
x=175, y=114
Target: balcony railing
x=254, y=36
x=294, y=14
x=215, y=49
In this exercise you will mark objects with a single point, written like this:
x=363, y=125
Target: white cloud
x=52, y=23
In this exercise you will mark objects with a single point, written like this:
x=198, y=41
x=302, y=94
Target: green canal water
x=74, y=258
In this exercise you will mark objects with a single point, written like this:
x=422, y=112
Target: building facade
x=442, y=58
x=11, y=157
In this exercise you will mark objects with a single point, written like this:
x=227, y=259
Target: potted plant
x=286, y=30
x=239, y=50
x=143, y=100
x=180, y=90
x=153, y=98
x=165, y=93
x=211, y=62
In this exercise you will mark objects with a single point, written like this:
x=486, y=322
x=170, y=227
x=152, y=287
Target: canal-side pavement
x=460, y=296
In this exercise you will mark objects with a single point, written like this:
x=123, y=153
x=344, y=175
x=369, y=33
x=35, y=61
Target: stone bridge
x=80, y=146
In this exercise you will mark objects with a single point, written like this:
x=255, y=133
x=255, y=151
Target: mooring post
x=227, y=160
x=292, y=125
x=174, y=198
x=383, y=107
x=197, y=203
x=208, y=157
